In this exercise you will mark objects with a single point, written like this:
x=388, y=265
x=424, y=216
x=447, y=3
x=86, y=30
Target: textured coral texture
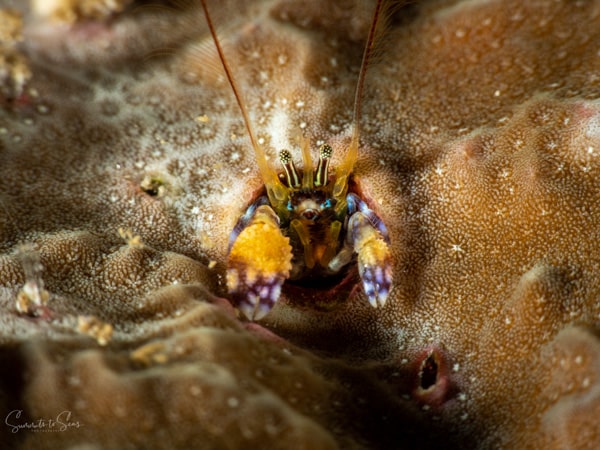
x=124, y=165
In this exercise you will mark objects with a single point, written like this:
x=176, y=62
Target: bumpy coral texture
x=124, y=164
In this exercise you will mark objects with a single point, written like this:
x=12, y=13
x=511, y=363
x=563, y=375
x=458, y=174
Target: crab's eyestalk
x=322, y=175
x=291, y=174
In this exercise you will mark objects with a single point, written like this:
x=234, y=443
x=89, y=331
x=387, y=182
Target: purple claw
x=368, y=237
x=257, y=297
x=377, y=282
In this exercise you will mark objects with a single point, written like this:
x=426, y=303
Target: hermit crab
x=308, y=225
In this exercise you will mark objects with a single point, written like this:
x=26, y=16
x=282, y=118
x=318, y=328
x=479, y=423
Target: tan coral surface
x=124, y=164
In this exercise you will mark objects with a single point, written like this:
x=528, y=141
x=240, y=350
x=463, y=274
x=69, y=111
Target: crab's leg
x=260, y=260
x=368, y=237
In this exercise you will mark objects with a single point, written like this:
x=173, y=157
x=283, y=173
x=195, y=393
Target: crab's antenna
x=275, y=189
x=345, y=168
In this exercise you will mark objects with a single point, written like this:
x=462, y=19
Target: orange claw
x=260, y=260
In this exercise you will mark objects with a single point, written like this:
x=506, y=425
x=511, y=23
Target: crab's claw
x=368, y=240
x=260, y=260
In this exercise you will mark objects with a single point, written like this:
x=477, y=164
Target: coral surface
x=124, y=165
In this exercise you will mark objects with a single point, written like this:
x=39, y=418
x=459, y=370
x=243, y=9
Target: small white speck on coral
x=195, y=391
x=457, y=248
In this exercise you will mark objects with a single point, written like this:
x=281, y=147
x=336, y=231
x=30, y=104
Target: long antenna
x=347, y=165
x=275, y=189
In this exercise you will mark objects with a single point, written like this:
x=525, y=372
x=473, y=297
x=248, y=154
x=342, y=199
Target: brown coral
x=480, y=151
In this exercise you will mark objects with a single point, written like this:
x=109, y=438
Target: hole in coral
x=433, y=384
x=153, y=186
x=429, y=372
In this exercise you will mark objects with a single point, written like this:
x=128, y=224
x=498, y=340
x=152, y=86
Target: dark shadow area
x=12, y=386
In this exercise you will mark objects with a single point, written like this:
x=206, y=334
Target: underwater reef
x=125, y=164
